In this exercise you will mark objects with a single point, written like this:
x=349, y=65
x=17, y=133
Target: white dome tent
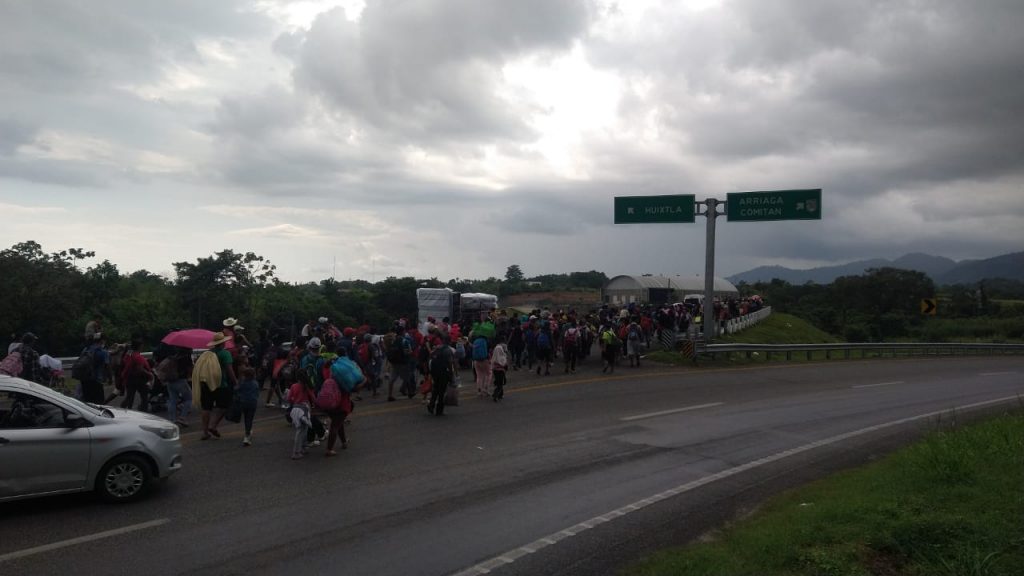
x=625, y=290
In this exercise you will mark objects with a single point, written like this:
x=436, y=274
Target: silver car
x=54, y=444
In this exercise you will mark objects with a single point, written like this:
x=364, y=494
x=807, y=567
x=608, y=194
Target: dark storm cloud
x=81, y=46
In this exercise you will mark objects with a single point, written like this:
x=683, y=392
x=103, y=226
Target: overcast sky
x=452, y=138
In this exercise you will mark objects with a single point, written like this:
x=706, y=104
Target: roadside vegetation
x=884, y=305
x=778, y=328
x=949, y=505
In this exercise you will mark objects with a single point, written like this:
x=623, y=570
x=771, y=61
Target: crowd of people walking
x=317, y=380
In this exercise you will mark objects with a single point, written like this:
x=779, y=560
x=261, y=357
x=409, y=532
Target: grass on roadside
x=776, y=329
x=950, y=505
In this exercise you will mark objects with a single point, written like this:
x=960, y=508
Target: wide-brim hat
x=218, y=339
x=229, y=322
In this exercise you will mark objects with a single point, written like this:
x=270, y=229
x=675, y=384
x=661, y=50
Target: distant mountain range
x=941, y=270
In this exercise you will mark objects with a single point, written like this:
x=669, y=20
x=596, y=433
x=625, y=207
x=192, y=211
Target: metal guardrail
x=879, y=348
x=731, y=326
x=67, y=361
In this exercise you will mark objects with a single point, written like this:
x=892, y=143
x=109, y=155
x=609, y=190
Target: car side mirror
x=75, y=421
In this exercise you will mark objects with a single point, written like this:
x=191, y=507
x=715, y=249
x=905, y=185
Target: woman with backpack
x=634, y=344
x=481, y=366
x=609, y=347
x=137, y=376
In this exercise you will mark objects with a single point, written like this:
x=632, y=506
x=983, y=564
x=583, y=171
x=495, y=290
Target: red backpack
x=11, y=365
x=329, y=398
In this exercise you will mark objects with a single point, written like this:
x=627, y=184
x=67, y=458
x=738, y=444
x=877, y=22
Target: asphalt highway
x=568, y=475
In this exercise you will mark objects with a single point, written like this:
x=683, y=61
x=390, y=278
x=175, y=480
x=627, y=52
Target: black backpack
x=83, y=369
x=396, y=351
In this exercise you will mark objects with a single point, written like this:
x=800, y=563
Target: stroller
x=52, y=376
x=158, y=397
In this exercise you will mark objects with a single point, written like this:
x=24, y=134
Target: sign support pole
x=710, y=323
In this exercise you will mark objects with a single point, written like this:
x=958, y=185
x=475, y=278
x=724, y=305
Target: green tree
x=43, y=293
x=514, y=274
x=225, y=284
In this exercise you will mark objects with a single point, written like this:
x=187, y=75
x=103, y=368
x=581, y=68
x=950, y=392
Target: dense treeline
x=885, y=304
x=50, y=295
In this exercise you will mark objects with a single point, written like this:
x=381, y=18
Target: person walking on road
x=137, y=377
x=174, y=371
x=634, y=344
x=570, y=347
x=302, y=397
x=337, y=415
x=499, y=368
x=399, y=355
x=481, y=366
x=249, y=397
x=442, y=371
x=610, y=348
x=92, y=386
x=216, y=401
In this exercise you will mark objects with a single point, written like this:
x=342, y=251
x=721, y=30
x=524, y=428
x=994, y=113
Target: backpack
x=329, y=398
x=287, y=372
x=634, y=333
x=543, y=340
x=167, y=370
x=614, y=340
x=480, y=349
x=83, y=368
x=396, y=351
x=313, y=374
x=11, y=365
x=346, y=373
x=570, y=336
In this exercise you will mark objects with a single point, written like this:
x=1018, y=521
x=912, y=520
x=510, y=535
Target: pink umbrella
x=194, y=338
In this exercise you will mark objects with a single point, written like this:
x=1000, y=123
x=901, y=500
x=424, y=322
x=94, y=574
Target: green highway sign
x=777, y=205
x=654, y=209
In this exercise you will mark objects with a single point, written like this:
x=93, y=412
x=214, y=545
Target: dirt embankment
x=554, y=299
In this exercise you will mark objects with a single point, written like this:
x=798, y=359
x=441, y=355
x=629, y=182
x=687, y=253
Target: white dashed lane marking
x=667, y=412
x=881, y=384
x=83, y=539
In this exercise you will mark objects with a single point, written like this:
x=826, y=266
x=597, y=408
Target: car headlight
x=167, y=433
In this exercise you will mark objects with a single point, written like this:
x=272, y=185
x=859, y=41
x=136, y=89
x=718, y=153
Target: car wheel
x=123, y=479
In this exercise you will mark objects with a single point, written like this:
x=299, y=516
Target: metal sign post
x=740, y=207
x=711, y=213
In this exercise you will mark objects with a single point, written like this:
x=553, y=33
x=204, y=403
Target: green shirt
x=224, y=357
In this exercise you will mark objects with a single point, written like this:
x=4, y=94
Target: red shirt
x=298, y=394
x=132, y=364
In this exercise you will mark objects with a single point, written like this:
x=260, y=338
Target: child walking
x=499, y=366
x=249, y=397
x=301, y=396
